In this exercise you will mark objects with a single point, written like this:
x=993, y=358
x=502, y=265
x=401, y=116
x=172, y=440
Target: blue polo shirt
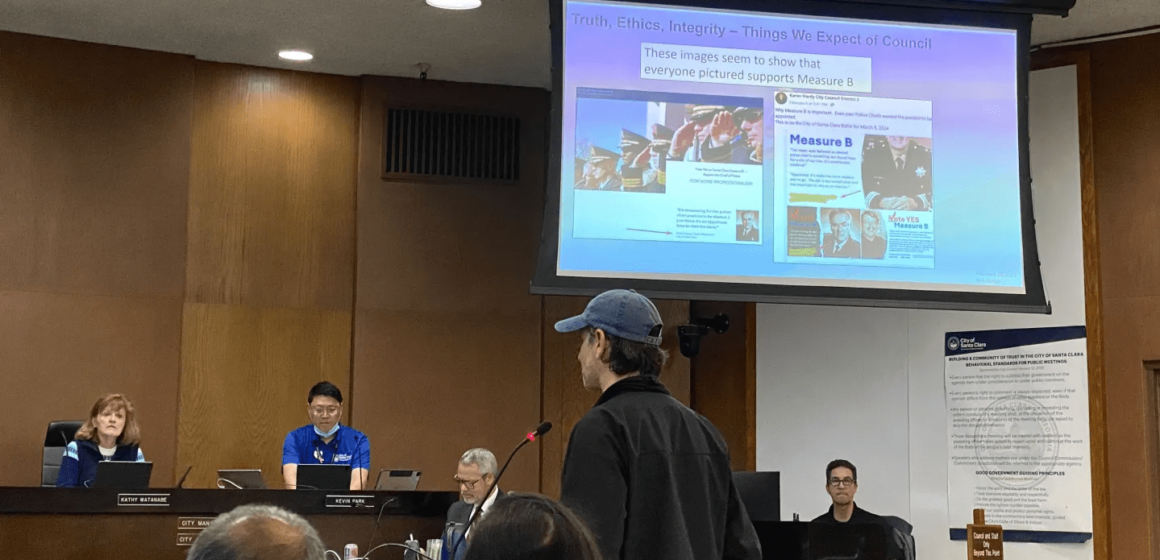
x=349, y=447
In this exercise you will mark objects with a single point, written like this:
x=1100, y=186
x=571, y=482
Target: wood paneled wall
x=1126, y=133
x=447, y=336
x=724, y=379
x=94, y=168
x=270, y=275
x=213, y=239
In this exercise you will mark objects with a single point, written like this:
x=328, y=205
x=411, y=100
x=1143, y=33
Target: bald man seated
x=254, y=532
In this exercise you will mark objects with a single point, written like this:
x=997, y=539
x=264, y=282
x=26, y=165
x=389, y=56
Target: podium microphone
x=540, y=430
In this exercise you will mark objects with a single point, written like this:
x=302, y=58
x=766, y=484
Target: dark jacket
x=850, y=249
x=861, y=516
x=882, y=178
x=78, y=467
x=460, y=512
x=652, y=479
x=750, y=235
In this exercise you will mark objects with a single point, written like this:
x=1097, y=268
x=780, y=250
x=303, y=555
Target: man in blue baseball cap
x=649, y=476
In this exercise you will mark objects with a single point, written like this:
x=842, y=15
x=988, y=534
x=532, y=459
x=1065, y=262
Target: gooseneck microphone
x=540, y=430
x=182, y=481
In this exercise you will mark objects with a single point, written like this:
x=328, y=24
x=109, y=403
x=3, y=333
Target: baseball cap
x=620, y=313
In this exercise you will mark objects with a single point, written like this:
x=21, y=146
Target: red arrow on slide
x=650, y=231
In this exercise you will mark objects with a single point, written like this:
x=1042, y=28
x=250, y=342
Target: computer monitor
x=397, y=480
x=848, y=541
x=783, y=540
x=124, y=475
x=323, y=477
x=240, y=479
x=761, y=494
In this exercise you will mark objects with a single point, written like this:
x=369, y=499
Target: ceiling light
x=297, y=56
x=454, y=4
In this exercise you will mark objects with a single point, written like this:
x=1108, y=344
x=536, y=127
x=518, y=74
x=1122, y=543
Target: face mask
x=327, y=433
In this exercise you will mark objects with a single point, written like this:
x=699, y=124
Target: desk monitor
x=783, y=540
x=761, y=494
x=848, y=541
x=248, y=479
x=398, y=480
x=323, y=477
x=123, y=474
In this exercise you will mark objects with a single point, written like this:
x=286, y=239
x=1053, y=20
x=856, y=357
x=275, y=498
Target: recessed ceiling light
x=297, y=56
x=454, y=4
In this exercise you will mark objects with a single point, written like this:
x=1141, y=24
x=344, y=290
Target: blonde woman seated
x=110, y=434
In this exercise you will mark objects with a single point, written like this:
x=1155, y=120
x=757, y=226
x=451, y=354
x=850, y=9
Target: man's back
x=652, y=479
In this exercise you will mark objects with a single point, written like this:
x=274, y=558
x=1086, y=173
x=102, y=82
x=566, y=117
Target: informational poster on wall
x=1017, y=423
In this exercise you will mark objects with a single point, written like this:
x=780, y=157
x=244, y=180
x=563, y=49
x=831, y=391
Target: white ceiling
x=503, y=42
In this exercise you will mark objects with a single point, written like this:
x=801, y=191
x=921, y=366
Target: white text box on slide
x=745, y=67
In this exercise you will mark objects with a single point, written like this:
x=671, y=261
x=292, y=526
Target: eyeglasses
x=469, y=484
x=320, y=411
x=839, y=482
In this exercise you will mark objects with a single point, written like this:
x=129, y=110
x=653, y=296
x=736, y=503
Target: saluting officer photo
x=896, y=173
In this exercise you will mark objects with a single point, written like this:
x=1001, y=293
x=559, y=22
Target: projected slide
x=709, y=176
x=713, y=145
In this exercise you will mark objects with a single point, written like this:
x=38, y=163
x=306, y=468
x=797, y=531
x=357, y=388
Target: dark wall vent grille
x=454, y=145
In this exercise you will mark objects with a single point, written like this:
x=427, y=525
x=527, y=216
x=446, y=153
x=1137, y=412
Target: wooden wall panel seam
x=1093, y=295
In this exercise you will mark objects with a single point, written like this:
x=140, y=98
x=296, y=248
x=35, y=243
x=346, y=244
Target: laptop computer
x=323, y=477
x=248, y=479
x=126, y=475
x=398, y=480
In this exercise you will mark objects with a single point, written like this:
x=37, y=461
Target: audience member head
x=531, y=527
x=324, y=406
x=112, y=418
x=620, y=335
x=841, y=481
x=256, y=532
x=476, y=475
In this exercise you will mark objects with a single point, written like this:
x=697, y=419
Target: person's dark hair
x=324, y=389
x=836, y=463
x=626, y=356
x=531, y=527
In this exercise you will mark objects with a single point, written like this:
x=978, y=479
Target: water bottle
x=412, y=549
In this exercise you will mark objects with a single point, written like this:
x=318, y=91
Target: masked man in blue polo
x=325, y=440
x=649, y=476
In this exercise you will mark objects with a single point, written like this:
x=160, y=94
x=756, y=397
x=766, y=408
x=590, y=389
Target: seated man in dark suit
x=747, y=231
x=477, y=490
x=841, y=485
